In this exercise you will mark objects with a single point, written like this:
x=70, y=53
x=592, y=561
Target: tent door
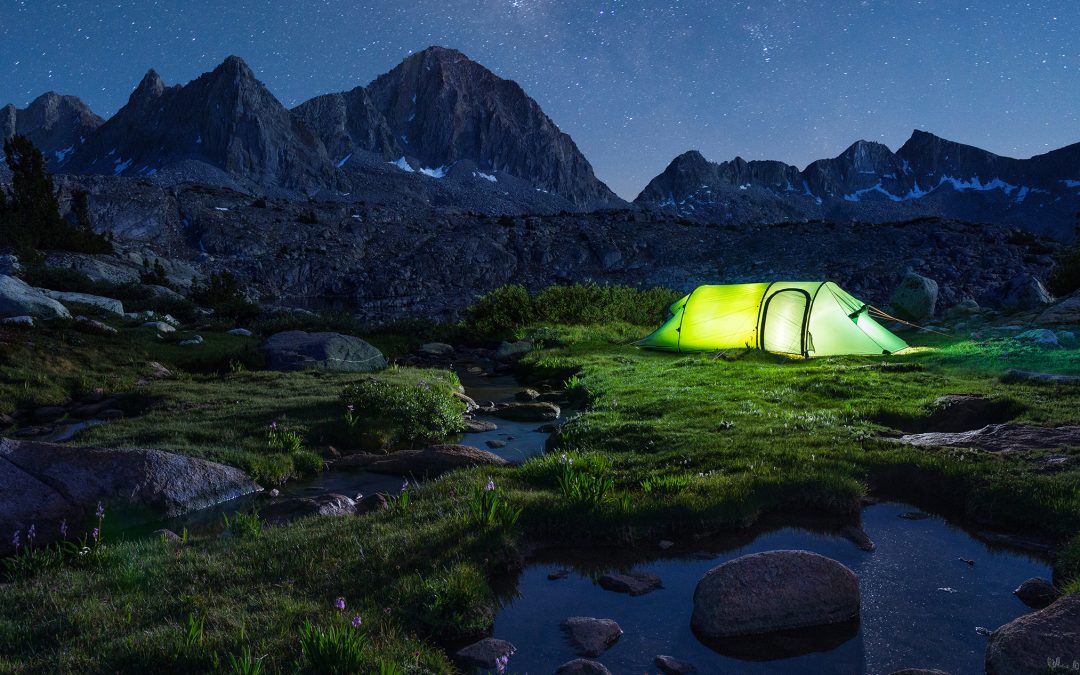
x=783, y=322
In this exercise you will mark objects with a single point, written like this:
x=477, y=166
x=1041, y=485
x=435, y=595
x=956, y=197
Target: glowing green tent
x=807, y=318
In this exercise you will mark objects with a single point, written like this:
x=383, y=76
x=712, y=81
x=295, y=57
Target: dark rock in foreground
x=291, y=508
x=44, y=484
x=485, y=653
x=590, y=636
x=582, y=667
x=1031, y=643
x=539, y=411
x=633, y=583
x=774, y=591
x=669, y=665
x=1037, y=593
x=297, y=350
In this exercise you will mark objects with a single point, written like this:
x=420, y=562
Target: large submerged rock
x=774, y=591
x=44, y=484
x=299, y=350
x=432, y=461
x=1033, y=642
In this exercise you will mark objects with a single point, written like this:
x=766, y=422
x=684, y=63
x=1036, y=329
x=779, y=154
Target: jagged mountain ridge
x=438, y=108
x=927, y=176
x=226, y=128
x=56, y=124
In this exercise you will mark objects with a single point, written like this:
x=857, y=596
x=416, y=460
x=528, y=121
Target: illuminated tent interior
x=805, y=318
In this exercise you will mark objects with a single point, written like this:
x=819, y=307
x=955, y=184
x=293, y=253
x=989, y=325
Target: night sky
x=635, y=82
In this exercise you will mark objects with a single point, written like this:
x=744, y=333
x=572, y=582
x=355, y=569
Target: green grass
x=670, y=444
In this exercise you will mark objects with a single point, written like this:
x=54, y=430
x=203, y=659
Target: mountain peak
x=235, y=65
x=150, y=87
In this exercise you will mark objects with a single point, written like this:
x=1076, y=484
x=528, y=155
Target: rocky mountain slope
x=56, y=124
x=927, y=176
x=436, y=118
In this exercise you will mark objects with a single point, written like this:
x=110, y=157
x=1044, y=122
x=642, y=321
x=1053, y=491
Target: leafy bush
x=283, y=438
x=337, y=650
x=510, y=307
x=222, y=293
x=1064, y=278
x=383, y=413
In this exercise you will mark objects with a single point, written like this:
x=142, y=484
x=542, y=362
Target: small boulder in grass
x=487, y=653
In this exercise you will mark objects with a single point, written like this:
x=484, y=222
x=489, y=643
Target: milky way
x=634, y=82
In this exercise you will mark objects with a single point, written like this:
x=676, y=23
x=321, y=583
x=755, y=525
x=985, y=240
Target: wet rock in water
x=371, y=504
x=45, y=483
x=538, y=411
x=485, y=653
x=669, y=665
x=633, y=583
x=509, y=351
x=558, y=574
x=479, y=426
x=914, y=515
x=526, y=395
x=470, y=404
x=774, y=591
x=582, y=667
x=1037, y=593
x=493, y=444
x=591, y=636
x=1032, y=642
x=857, y=536
x=436, y=349
x=1000, y=438
x=329, y=504
x=915, y=298
x=297, y=350
x=1015, y=375
x=433, y=461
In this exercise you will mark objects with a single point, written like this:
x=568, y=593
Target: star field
x=635, y=82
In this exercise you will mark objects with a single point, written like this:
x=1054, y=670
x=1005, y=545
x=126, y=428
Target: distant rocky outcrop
x=55, y=123
x=928, y=175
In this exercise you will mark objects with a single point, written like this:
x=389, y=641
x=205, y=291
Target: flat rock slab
x=774, y=591
x=582, y=667
x=1000, y=438
x=633, y=583
x=1025, y=644
x=298, y=350
x=1015, y=375
x=536, y=411
x=17, y=298
x=590, y=636
x=433, y=461
x=485, y=653
x=45, y=483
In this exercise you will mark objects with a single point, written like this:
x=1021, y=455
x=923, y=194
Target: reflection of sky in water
x=907, y=621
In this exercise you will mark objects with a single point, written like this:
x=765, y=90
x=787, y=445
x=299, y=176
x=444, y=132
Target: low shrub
x=450, y=604
x=382, y=413
x=505, y=309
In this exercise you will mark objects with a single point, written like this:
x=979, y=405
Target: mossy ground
x=756, y=433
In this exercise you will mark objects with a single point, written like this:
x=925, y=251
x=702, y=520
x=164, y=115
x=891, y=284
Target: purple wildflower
x=405, y=485
x=500, y=663
x=356, y=621
x=340, y=604
x=63, y=528
x=273, y=426
x=490, y=487
x=350, y=407
x=15, y=539
x=30, y=534
x=100, y=511
x=95, y=533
